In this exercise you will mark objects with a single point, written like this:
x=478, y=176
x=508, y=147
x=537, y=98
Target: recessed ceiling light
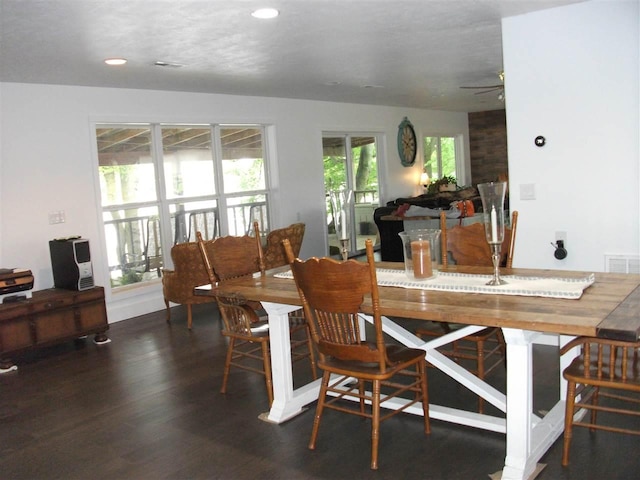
x=115, y=61
x=265, y=13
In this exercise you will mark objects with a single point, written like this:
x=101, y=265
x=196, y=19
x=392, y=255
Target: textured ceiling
x=414, y=53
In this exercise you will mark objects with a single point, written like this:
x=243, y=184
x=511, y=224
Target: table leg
x=287, y=402
x=528, y=436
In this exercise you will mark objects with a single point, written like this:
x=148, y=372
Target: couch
x=390, y=220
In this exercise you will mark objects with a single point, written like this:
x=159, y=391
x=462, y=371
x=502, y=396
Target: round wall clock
x=407, y=143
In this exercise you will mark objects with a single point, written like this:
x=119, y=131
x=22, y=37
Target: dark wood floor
x=147, y=406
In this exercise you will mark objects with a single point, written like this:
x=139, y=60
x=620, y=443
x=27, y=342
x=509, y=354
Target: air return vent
x=622, y=263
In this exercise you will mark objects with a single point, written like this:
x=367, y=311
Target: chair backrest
x=153, y=245
x=204, y=220
x=186, y=259
x=231, y=257
x=205, y=259
x=605, y=360
x=237, y=315
x=468, y=244
x=332, y=293
x=274, y=255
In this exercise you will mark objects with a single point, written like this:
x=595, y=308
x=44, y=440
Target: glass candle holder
x=341, y=205
x=421, y=249
x=492, y=195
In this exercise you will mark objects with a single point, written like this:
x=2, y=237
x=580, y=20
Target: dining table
x=597, y=304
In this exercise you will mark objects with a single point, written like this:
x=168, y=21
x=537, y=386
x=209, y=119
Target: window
x=160, y=184
x=351, y=162
x=440, y=157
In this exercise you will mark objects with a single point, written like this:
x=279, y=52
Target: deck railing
x=135, y=244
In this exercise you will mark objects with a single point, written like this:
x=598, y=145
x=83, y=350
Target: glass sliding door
x=351, y=162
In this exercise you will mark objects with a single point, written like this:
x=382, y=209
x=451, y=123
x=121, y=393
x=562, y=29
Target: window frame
x=163, y=204
x=460, y=165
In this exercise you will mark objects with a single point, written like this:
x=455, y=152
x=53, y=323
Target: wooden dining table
x=609, y=307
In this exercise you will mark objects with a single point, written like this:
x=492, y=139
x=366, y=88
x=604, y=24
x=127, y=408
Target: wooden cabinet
x=51, y=316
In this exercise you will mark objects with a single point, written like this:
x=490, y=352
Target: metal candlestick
x=341, y=210
x=344, y=248
x=492, y=195
x=495, y=258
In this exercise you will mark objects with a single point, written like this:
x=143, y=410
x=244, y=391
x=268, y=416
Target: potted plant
x=444, y=184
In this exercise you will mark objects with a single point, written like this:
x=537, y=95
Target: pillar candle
x=421, y=258
x=343, y=225
x=494, y=225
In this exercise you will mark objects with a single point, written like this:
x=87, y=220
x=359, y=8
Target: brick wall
x=488, y=142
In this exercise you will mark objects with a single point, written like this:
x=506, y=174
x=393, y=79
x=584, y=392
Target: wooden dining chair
x=332, y=293
x=274, y=255
x=467, y=245
x=605, y=369
x=248, y=333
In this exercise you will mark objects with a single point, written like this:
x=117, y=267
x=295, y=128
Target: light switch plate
x=527, y=191
x=56, y=217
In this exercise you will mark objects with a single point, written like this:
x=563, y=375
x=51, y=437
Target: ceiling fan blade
x=488, y=91
x=485, y=86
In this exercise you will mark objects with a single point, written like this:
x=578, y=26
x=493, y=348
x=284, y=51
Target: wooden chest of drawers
x=51, y=316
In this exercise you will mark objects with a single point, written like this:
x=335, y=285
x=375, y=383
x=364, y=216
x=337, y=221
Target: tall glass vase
x=341, y=205
x=492, y=195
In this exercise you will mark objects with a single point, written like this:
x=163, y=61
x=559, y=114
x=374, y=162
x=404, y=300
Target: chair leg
x=266, y=360
x=227, y=364
x=422, y=372
x=316, y=420
x=312, y=355
x=568, y=421
x=594, y=402
x=189, y=316
x=480, y=369
x=375, y=424
x=166, y=302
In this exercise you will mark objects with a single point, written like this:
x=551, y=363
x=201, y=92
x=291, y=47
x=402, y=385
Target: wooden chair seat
x=248, y=347
x=605, y=369
x=332, y=293
x=399, y=358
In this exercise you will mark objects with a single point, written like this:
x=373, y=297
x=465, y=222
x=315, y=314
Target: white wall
x=572, y=75
x=47, y=163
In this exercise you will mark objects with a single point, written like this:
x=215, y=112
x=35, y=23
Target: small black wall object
x=540, y=141
x=560, y=252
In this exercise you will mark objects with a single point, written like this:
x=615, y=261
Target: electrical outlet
x=560, y=235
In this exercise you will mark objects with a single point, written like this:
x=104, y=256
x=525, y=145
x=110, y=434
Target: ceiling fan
x=490, y=88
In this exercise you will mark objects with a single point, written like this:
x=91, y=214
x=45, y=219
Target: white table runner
x=553, y=287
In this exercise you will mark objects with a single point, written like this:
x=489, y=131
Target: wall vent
x=622, y=264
